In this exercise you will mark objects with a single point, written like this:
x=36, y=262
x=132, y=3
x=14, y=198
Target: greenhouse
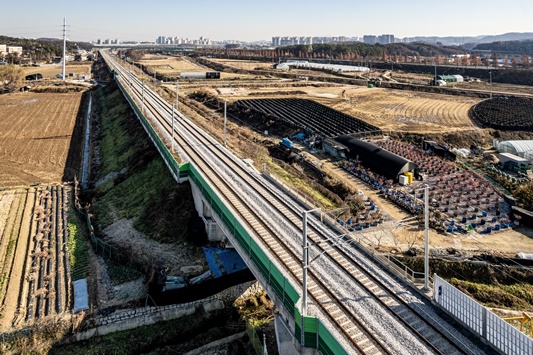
x=529, y=156
x=451, y=78
x=522, y=149
x=304, y=64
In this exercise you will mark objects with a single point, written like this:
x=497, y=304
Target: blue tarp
x=223, y=261
x=81, y=296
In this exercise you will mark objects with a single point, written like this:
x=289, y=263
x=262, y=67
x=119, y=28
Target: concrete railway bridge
x=354, y=300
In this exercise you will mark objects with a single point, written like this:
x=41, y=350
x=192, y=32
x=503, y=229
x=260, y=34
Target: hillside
x=43, y=48
x=374, y=50
x=514, y=47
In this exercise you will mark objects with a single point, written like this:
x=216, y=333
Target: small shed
x=513, y=162
x=380, y=160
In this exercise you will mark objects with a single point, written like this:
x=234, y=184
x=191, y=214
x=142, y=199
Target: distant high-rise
x=386, y=39
x=370, y=39
x=289, y=41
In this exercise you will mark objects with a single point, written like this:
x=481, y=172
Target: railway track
x=203, y=150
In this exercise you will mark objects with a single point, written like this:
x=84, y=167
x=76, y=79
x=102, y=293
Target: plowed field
x=34, y=262
x=36, y=131
x=390, y=110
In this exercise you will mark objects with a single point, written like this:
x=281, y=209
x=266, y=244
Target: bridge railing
x=316, y=334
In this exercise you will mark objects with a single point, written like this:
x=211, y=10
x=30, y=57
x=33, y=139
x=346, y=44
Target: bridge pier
x=217, y=231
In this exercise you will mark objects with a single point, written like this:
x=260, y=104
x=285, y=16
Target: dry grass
x=50, y=71
x=169, y=65
x=244, y=64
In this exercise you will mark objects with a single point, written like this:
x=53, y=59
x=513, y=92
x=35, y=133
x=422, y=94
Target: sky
x=253, y=20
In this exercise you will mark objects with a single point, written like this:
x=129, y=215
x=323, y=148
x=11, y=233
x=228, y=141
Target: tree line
x=41, y=50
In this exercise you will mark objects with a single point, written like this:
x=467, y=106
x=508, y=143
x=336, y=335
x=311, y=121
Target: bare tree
x=410, y=236
x=10, y=77
x=505, y=61
x=495, y=60
x=525, y=61
x=437, y=59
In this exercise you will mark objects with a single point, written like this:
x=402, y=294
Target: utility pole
x=172, y=128
x=142, y=106
x=225, y=119
x=490, y=73
x=426, y=238
x=305, y=266
x=177, y=98
x=64, y=46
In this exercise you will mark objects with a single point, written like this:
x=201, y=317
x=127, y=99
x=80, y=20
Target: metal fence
x=498, y=333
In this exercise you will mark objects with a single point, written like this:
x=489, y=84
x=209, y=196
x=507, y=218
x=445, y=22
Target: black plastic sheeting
x=381, y=161
x=196, y=292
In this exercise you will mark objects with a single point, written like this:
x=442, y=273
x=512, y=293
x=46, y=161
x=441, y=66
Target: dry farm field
x=245, y=64
x=169, y=65
x=173, y=66
x=49, y=71
x=34, y=262
x=390, y=110
x=36, y=132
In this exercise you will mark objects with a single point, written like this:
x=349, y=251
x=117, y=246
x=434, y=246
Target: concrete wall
x=133, y=318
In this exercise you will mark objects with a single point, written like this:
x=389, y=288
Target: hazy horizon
x=245, y=21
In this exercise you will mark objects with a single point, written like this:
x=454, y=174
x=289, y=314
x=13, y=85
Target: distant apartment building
x=382, y=39
x=3, y=49
x=370, y=39
x=306, y=40
x=386, y=39
x=178, y=40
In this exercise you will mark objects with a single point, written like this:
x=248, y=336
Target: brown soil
x=33, y=267
x=36, y=137
x=49, y=71
x=13, y=264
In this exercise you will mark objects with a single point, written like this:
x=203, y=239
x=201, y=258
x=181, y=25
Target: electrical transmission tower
x=64, y=45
